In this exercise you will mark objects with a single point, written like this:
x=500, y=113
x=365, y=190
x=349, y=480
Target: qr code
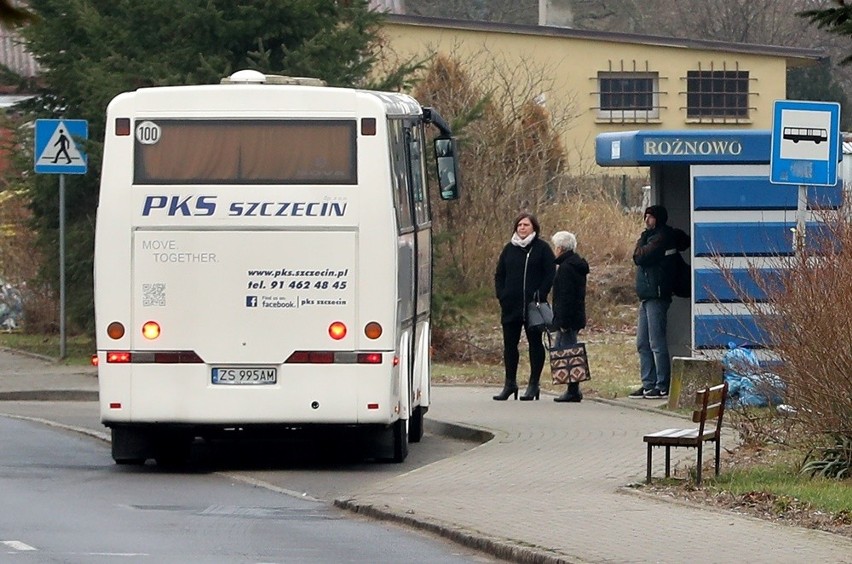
x=153, y=295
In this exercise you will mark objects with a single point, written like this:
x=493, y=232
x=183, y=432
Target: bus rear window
x=170, y=151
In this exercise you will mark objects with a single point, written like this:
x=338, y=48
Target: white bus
x=263, y=263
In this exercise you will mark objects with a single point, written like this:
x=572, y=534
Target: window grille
x=627, y=94
x=718, y=95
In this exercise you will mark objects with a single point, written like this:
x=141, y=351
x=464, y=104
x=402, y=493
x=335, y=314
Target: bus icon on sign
x=796, y=134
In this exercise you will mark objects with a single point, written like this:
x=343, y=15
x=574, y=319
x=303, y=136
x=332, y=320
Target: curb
x=50, y=395
x=458, y=432
x=471, y=539
x=105, y=437
x=37, y=356
x=639, y=406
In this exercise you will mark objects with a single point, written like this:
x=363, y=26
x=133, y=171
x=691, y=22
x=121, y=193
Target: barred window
x=628, y=96
x=717, y=94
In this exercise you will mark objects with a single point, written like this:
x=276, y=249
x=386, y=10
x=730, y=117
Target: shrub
x=806, y=322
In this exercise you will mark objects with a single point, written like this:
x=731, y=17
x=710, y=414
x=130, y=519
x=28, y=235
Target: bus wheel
x=415, y=425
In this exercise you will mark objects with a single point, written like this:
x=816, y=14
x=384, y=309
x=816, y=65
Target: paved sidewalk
x=549, y=487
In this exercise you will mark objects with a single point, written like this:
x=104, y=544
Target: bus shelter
x=715, y=186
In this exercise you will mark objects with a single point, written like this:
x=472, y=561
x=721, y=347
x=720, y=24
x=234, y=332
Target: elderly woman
x=569, y=299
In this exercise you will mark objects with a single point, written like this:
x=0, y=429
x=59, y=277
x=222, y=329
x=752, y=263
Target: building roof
x=795, y=56
x=14, y=55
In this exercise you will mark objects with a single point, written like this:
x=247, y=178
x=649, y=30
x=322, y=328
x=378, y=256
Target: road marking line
x=18, y=545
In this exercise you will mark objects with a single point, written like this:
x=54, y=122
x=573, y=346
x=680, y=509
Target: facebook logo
x=251, y=301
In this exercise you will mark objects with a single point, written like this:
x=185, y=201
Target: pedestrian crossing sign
x=58, y=146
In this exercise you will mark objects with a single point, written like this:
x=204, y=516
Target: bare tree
x=506, y=11
x=512, y=153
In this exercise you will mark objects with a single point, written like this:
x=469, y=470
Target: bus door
x=423, y=252
x=400, y=136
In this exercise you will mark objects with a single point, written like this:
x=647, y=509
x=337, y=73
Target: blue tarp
x=11, y=306
x=748, y=384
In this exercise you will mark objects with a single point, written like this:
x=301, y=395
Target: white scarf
x=518, y=242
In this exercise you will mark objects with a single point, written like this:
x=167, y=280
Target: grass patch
x=786, y=483
x=78, y=348
x=613, y=362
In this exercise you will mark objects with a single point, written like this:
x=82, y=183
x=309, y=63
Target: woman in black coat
x=569, y=300
x=524, y=274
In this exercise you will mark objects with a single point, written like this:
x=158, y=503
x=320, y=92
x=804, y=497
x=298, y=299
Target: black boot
x=572, y=394
x=533, y=390
x=510, y=387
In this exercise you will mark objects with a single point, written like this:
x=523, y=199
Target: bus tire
x=415, y=425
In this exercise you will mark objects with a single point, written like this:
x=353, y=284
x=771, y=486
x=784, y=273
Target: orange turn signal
x=151, y=330
x=337, y=330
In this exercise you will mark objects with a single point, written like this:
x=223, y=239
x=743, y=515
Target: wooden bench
x=709, y=405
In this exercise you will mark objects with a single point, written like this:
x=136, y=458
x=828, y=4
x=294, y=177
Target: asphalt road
x=65, y=501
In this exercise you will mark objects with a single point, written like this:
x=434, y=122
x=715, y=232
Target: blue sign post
x=58, y=150
x=805, y=151
x=805, y=143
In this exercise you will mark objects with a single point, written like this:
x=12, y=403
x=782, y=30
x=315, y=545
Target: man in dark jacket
x=653, y=257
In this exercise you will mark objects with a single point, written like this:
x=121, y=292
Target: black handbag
x=539, y=315
x=568, y=364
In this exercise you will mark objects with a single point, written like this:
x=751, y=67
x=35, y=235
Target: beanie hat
x=658, y=212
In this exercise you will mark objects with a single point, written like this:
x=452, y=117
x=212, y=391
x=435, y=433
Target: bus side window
x=399, y=162
x=418, y=178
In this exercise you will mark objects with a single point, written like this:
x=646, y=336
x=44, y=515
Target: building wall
x=574, y=64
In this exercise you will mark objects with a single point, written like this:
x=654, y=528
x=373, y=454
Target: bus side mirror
x=448, y=170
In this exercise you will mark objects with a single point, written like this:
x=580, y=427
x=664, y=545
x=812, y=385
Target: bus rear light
x=151, y=330
x=118, y=357
x=373, y=330
x=299, y=357
x=322, y=357
x=115, y=405
x=369, y=358
x=337, y=330
x=372, y=406
x=122, y=127
x=115, y=330
x=311, y=357
x=332, y=357
x=153, y=357
x=95, y=360
x=177, y=357
x=396, y=361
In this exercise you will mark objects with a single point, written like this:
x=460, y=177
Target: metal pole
x=801, y=217
x=61, y=266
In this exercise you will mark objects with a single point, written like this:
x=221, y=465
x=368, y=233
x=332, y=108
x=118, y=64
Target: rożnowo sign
x=638, y=148
x=682, y=147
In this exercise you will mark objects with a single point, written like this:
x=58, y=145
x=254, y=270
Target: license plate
x=241, y=375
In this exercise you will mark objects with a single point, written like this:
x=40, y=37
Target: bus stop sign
x=59, y=146
x=805, y=143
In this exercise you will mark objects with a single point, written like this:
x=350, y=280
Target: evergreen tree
x=92, y=50
x=836, y=20
x=818, y=84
